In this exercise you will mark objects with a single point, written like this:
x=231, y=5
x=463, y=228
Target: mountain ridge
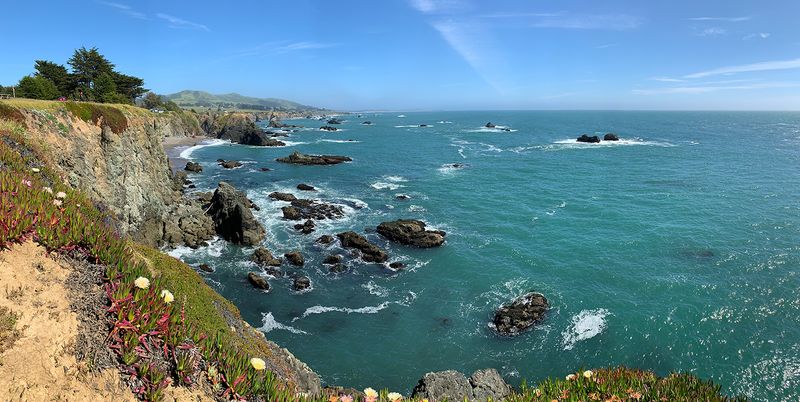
x=197, y=98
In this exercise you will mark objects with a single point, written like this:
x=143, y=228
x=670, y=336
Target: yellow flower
x=394, y=396
x=61, y=194
x=587, y=374
x=537, y=391
x=369, y=392
x=258, y=364
x=167, y=296
x=333, y=398
x=35, y=170
x=570, y=377
x=142, y=282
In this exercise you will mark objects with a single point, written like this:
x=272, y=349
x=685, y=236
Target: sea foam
x=269, y=323
x=585, y=325
x=187, y=153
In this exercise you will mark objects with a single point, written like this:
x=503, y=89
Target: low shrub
x=110, y=116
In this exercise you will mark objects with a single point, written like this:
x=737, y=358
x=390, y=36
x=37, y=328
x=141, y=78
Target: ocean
x=674, y=249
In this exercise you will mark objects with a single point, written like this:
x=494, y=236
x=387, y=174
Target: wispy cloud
x=303, y=46
x=747, y=68
x=714, y=88
x=437, y=6
x=713, y=31
x=667, y=79
x=724, y=19
x=606, y=46
x=524, y=15
x=180, y=23
x=760, y=35
x=125, y=9
x=614, y=22
x=281, y=47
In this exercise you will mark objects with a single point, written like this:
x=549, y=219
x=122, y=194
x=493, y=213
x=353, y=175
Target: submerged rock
x=585, y=138
x=193, y=167
x=305, y=187
x=367, y=123
x=258, y=280
x=295, y=258
x=325, y=239
x=233, y=220
x=454, y=386
x=301, y=283
x=306, y=227
x=397, y=265
x=263, y=257
x=610, y=137
x=522, y=313
x=328, y=128
x=411, y=232
x=369, y=251
x=332, y=259
x=334, y=121
x=309, y=209
x=205, y=268
x=302, y=159
x=230, y=164
x=338, y=268
x=490, y=125
x=282, y=196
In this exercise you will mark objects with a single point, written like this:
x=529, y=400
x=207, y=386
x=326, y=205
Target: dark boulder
x=301, y=159
x=490, y=125
x=522, y=313
x=258, y=280
x=402, y=197
x=585, y=138
x=397, y=265
x=367, y=123
x=305, y=187
x=424, y=125
x=295, y=258
x=369, y=251
x=338, y=268
x=411, y=232
x=309, y=209
x=306, y=227
x=334, y=121
x=328, y=128
x=610, y=137
x=205, y=268
x=233, y=220
x=291, y=213
x=193, y=167
x=325, y=239
x=301, y=283
x=260, y=139
x=264, y=169
x=263, y=257
x=282, y=196
x=230, y=164
x=332, y=259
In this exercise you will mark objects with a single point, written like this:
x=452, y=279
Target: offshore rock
x=522, y=313
x=411, y=232
x=233, y=219
x=302, y=159
x=263, y=257
x=257, y=280
x=369, y=251
x=454, y=386
x=585, y=138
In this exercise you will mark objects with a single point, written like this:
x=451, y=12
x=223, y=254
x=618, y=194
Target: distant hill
x=188, y=99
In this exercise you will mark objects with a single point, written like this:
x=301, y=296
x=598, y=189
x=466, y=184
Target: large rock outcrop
x=522, y=313
x=369, y=251
x=303, y=159
x=239, y=128
x=233, y=219
x=411, y=232
x=454, y=386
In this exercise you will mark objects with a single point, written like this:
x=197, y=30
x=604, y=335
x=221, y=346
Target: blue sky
x=434, y=54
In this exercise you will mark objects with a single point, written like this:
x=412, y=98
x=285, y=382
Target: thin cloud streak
x=714, y=88
x=180, y=23
x=713, y=31
x=614, y=22
x=125, y=9
x=725, y=19
x=761, y=35
x=747, y=68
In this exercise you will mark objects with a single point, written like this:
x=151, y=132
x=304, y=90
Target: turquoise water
x=676, y=249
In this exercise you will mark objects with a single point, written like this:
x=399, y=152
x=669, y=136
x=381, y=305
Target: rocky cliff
x=115, y=154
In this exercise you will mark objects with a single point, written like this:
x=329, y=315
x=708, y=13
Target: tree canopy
x=92, y=77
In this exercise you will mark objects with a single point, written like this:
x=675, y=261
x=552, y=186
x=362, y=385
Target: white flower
x=142, y=282
x=57, y=203
x=258, y=364
x=35, y=170
x=47, y=190
x=571, y=377
x=587, y=374
x=167, y=296
x=61, y=194
x=371, y=393
x=394, y=396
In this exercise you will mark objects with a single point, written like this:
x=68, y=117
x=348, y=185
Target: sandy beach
x=173, y=146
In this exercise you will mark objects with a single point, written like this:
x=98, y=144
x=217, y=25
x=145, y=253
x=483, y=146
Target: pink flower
x=26, y=182
x=57, y=203
x=346, y=398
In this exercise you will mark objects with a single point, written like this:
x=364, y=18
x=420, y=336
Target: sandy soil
x=173, y=146
x=40, y=365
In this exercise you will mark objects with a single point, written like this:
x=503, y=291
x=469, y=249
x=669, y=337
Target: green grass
x=111, y=116
x=8, y=330
x=8, y=112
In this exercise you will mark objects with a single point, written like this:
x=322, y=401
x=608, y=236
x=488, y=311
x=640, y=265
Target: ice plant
x=57, y=203
x=61, y=194
x=26, y=182
x=167, y=296
x=570, y=377
x=142, y=282
x=394, y=396
x=346, y=398
x=371, y=395
x=47, y=190
x=258, y=364
x=587, y=374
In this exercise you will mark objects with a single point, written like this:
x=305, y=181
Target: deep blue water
x=677, y=249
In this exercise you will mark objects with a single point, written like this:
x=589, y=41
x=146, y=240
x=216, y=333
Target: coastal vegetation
x=166, y=326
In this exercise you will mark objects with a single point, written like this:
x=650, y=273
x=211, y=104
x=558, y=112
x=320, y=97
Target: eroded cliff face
x=125, y=169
